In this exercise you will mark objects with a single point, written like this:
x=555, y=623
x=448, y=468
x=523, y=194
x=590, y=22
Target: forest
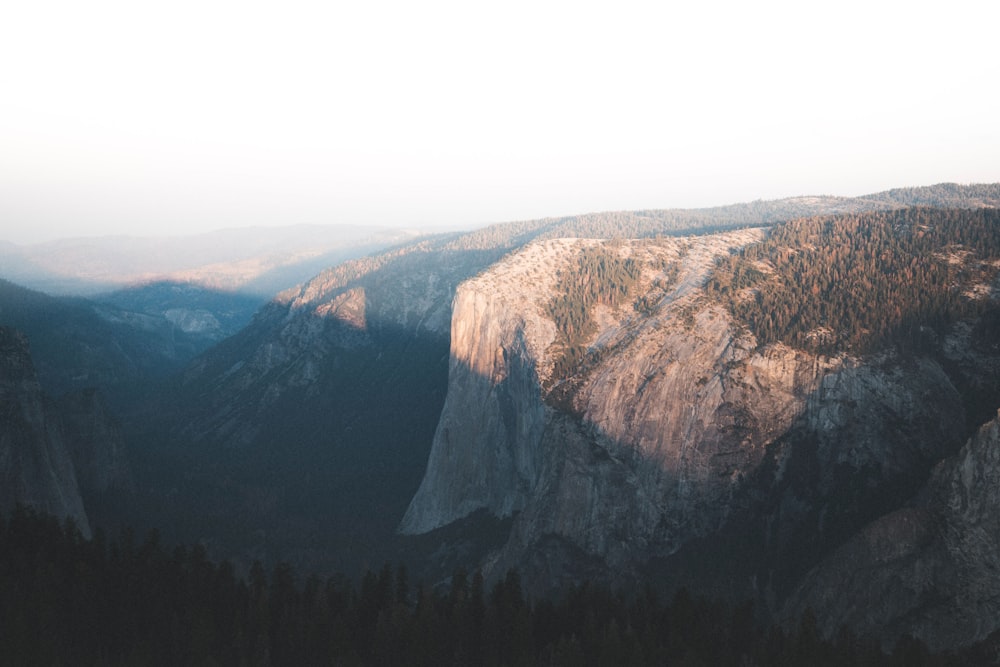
x=676, y=222
x=599, y=275
x=68, y=600
x=862, y=282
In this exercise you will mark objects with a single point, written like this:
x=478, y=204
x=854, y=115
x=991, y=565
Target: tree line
x=862, y=282
x=67, y=600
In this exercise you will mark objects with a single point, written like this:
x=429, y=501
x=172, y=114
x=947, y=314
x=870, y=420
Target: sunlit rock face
x=676, y=424
x=487, y=446
x=497, y=436
x=670, y=393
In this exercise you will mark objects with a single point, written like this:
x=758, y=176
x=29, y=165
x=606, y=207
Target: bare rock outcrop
x=674, y=420
x=36, y=468
x=492, y=423
x=927, y=569
x=52, y=449
x=669, y=389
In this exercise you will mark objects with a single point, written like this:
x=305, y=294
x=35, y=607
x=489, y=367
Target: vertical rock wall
x=486, y=451
x=36, y=468
x=673, y=425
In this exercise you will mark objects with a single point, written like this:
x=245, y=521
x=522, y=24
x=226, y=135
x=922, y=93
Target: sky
x=172, y=118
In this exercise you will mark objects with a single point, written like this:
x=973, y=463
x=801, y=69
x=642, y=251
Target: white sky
x=175, y=117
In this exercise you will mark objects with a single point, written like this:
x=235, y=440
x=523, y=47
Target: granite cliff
x=51, y=450
x=34, y=458
x=677, y=439
x=652, y=439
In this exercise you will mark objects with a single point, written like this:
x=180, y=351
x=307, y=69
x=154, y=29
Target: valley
x=769, y=402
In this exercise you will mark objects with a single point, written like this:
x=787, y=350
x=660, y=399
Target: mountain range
x=776, y=401
x=252, y=260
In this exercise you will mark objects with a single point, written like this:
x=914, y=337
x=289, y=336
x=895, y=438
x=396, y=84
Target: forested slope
x=67, y=600
x=862, y=282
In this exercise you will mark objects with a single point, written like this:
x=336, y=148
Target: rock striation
x=675, y=430
x=494, y=417
x=663, y=382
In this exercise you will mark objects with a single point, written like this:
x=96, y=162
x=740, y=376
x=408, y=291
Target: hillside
x=596, y=397
x=912, y=271
x=257, y=260
x=326, y=404
x=124, y=341
x=52, y=452
x=675, y=435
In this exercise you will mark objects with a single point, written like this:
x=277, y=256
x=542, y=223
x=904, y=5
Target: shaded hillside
x=929, y=568
x=303, y=436
x=325, y=406
x=35, y=464
x=52, y=451
x=78, y=343
x=116, y=601
x=206, y=315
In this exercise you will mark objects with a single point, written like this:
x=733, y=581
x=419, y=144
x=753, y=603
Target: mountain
x=259, y=261
x=624, y=397
x=203, y=314
x=927, y=569
x=34, y=460
x=78, y=343
x=307, y=432
x=761, y=394
x=325, y=406
x=51, y=451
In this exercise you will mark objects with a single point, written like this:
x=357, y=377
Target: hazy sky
x=175, y=117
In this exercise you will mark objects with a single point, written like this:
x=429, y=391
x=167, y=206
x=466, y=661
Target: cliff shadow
x=304, y=436
x=580, y=497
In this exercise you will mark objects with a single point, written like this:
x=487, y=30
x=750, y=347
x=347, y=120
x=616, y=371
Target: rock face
x=675, y=430
x=928, y=569
x=51, y=450
x=95, y=441
x=494, y=418
x=317, y=418
x=331, y=396
x=35, y=463
x=305, y=335
x=664, y=381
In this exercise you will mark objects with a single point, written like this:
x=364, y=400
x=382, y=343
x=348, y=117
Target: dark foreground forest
x=65, y=600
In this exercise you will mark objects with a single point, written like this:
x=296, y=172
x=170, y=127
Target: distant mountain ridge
x=257, y=260
x=690, y=441
x=265, y=260
x=646, y=429
x=321, y=367
x=123, y=349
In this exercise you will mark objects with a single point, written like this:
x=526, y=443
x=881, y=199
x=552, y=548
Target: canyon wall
x=674, y=427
